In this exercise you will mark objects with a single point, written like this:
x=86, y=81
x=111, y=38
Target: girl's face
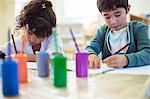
x=33, y=39
x=115, y=19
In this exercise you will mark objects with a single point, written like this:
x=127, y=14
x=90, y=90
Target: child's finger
x=97, y=64
x=91, y=64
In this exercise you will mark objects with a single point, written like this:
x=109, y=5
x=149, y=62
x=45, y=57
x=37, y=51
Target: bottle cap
x=2, y=55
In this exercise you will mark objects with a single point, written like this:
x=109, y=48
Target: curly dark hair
x=108, y=5
x=39, y=16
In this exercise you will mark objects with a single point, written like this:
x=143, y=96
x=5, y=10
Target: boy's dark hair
x=108, y=5
x=38, y=15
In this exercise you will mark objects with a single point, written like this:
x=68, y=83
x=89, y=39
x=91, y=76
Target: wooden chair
x=140, y=19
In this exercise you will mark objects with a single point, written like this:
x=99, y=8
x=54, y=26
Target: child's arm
x=95, y=47
x=142, y=44
x=31, y=57
x=96, y=44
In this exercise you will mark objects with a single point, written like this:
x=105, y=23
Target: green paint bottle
x=58, y=63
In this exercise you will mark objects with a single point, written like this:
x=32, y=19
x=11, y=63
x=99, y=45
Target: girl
x=37, y=20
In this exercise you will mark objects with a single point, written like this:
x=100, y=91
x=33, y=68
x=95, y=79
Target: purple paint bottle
x=81, y=64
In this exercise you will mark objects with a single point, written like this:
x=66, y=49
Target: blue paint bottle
x=9, y=74
x=43, y=64
x=9, y=78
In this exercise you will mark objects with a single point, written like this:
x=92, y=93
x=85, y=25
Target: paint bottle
x=58, y=64
x=21, y=59
x=10, y=78
x=10, y=84
x=43, y=64
x=81, y=64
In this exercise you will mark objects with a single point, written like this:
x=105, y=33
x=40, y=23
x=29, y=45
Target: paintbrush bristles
x=73, y=37
x=23, y=41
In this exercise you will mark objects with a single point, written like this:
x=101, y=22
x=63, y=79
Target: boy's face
x=115, y=19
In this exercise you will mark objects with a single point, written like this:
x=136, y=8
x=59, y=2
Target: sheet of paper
x=32, y=65
x=104, y=68
x=143, y=70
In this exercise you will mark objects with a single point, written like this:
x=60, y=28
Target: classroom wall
x=139, y=7
x=6, y=18
x=7, y=12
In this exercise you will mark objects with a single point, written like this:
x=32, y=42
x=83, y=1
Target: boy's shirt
x=117, y=40
x=138, y=52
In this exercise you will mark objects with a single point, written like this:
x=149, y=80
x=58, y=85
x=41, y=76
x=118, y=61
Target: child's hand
x=116, y=61
x=94, y=61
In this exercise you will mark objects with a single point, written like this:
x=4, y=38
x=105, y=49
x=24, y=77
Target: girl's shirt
x=48, y=45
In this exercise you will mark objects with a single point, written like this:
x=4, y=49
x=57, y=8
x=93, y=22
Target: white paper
x=32, y=65
x=143, y=70
x=104, y=68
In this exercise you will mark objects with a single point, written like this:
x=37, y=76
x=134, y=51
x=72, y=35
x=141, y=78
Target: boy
x=122, y=44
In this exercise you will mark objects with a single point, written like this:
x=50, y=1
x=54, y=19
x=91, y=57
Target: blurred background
x=81, y=15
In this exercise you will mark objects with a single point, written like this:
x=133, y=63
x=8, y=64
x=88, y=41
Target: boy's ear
x=128, y=9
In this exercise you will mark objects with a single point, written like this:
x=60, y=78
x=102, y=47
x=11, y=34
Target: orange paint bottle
x=22, y=67
x=21, y=59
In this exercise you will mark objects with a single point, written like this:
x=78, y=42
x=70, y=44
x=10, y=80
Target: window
x=82, y=10
x=18, y=6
